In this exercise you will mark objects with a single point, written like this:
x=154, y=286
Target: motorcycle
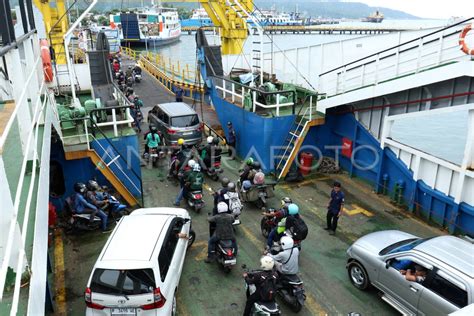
x=80, y=221
x=194, y=200
x=256, y=193
x=154, y=155
x=290, y=288
x=267, y=224
x=114, y=208
x=225, y=255
x=213, y=172
x=137, y=77
x=260, y=307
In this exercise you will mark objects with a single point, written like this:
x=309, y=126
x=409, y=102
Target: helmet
x=293, y=209
x=196, y=167
x=191, y=163
x=153, y=129
x=229, y=123
x=180, y=141
x=231, y=186
x=225, y=182
x=259, y=178
x=267, y=263
x=210, y=139
x=249, y=161
x=286, y=242
x=256, y=165
x=222, y=207
x=92, y=185
x=80, y=187
x=246, y=184
x=286, y=201
x=216, y=141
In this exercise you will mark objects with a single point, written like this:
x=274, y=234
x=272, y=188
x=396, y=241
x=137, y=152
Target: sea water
x=443, y=136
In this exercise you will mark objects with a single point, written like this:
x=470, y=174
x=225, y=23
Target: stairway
x=293, y=142
x=130, y=27
x=106, y=171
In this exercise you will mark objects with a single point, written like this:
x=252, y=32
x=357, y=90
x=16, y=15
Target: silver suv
x=445, y=265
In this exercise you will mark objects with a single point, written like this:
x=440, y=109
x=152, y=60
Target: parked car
x=176, y=120
x=379, y=259
x=138, y=270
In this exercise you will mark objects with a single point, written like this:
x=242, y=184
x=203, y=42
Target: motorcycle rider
x=279, y=216
x=152, y=139
x=81, y=206
x=91, y=195
x=137, y=70
x=183, y=175
x=231, y=198
x=206, y=152
x=224, y=230
x=286, y=261
x=245, y=172
x=194, y=179
x=175, y=153
x=264, y=282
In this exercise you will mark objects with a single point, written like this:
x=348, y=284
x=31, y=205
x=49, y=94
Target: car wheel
x=264, y=227
x=191, y=238
x=358, y=275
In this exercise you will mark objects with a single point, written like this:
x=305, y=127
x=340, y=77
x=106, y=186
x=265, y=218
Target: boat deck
x=204, y=288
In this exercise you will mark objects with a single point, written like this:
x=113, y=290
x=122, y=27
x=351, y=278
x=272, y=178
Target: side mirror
x=387, y=263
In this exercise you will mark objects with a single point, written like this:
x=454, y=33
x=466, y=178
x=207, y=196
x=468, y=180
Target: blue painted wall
x=257, y=136
x=374, y=164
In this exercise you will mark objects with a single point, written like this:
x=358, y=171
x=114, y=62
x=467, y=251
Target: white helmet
x=222, y=207
x=210, y=139
x=286, y=242
x=267, y=263
x=196, y=167
x=191, y=163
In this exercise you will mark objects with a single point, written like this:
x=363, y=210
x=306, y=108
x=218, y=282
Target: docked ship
x=198, y=18
x=376, y=17
x=147, y=26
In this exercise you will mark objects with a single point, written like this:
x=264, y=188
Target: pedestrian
x=232, y=140
x=179, y=92
x=335, y=208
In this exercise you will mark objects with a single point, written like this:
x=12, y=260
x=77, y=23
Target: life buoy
x=462, y=41
x=46, y=57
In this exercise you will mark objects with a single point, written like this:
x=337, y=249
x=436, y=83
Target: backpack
x=234, y=202
x=196, y=181
x=267, y=287
x=297, y=227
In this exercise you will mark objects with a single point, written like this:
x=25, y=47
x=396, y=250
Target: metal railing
x=426, y=52
x=242, y=90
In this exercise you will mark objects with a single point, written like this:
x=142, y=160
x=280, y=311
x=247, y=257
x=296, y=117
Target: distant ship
x=200, y=17
x=375, y=17
x=147, y=26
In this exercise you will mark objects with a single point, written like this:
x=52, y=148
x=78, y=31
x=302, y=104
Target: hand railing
x=435, y=49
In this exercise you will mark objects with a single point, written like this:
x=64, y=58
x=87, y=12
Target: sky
x=427, y=8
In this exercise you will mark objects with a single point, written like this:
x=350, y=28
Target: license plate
x=230, y=262
x=123, y=311
x=187, y=133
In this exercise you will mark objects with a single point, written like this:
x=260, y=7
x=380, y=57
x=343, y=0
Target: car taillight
x=158, y=301
x=229, y=252
x=171, y=131
x=201, y=127
x=88, y=299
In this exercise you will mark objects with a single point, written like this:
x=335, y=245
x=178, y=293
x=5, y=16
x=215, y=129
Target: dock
x=330, y=29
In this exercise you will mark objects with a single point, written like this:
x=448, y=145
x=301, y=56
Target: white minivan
x=138, y=271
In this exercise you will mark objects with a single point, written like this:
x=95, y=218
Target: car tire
x=192, y=238
x=358, y=275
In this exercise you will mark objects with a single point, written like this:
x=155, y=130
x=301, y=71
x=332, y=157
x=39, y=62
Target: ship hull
x=150, y=42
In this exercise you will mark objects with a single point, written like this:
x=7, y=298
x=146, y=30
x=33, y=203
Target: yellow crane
x=230, y=16
x=56, y=24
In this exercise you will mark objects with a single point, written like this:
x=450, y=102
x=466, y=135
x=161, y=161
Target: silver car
x=176, y=120
x=445, y=263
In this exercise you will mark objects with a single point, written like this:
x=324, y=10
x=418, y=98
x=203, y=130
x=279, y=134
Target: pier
x=311, y=29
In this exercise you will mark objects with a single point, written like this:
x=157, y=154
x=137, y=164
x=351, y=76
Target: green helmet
x=249, y=161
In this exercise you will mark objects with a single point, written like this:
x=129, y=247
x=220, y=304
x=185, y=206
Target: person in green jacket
x=194, y=179
x=152, y=138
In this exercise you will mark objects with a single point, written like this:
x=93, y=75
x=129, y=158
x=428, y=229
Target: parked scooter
x=270, y=308
x=77, y=221
x=290, y=288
